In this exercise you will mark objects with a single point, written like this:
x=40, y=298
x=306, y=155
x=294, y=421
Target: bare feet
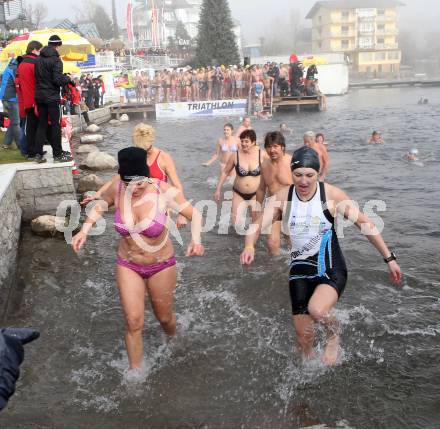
x=331, y=352
x=307, y=355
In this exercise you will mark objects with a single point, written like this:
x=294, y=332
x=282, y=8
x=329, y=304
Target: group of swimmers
x=284, y=192
x=207, y=83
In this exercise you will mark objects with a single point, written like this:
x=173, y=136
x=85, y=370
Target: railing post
x=271, y=97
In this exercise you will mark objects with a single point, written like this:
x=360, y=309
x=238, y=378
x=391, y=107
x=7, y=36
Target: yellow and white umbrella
x=311, y=59
x=74, y=48
x=70, y=68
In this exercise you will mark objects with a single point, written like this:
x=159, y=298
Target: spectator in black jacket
x=49, y=79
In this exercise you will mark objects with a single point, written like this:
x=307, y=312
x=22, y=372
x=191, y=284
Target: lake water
x=232, y=363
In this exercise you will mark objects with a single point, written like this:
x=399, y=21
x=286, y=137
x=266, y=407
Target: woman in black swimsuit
x=247, y=164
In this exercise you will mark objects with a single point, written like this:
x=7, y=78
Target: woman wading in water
x=247, y=165
x=317, y=270
x=226, y=146
x=145, y=261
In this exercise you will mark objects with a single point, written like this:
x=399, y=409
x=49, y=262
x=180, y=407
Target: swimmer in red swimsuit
x=160, y=163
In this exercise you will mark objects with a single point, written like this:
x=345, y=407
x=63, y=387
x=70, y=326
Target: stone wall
x=27, y=191
x=98, y=116
x=39, y=191
x=10, y=215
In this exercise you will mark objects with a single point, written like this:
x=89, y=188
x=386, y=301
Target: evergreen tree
x=216, y=39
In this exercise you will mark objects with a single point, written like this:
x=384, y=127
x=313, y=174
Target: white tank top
x=308, y=226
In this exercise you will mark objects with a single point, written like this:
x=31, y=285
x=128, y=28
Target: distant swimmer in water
x=318, y=273
x=320, y=138
x=412, y=155
x=226, y=145
x=285, y=129
x=376, y=138
x=244, y=125
x=145, y=257
x=309, y=139
x=423, y=100
x=247, y=165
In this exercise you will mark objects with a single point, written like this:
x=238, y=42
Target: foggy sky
x=418, y=15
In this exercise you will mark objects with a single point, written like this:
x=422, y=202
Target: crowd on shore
x=140, y=52
x=31, y=96
x=227, y=82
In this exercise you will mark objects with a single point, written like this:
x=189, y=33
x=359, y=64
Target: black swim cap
x=305, y=157
x=133, y=164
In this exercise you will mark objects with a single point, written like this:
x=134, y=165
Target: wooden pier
x=394, y=83
x=146, y=110
x=316, y=102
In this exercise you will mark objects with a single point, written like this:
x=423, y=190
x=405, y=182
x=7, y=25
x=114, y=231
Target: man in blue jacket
x=8, y=95
x=49, y=79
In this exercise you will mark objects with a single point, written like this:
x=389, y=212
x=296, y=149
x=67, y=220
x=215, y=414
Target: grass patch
x=10, y=156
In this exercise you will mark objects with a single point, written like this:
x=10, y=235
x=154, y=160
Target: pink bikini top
x=152, y=231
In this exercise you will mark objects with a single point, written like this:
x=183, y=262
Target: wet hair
x=274, y=137
x=229, y=125
x=248, y=134
x=305, y=157
x=34, y=44
x=143, y=136
x=310, y=134
x=319, y=135
x=375, y=133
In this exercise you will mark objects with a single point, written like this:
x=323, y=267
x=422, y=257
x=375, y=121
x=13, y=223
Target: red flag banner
x=130, y=21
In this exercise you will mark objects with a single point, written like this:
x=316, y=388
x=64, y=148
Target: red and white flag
x=130, y=21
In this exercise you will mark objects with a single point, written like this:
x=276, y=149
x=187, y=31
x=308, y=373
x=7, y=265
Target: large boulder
x=87, y=148
x=44, y=225
x=93, y=128
x=124, y=118
x=92, y=138
x=100, y=161
x=90, y=182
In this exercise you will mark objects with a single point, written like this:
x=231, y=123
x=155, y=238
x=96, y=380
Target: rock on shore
x=44, y=225
x=100, y=161
x=90, y=182
x=92, y=138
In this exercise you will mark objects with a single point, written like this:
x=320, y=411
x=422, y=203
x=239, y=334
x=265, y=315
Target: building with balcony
x=364, y=30
x=169, y=13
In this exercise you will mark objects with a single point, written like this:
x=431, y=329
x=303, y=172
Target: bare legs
x=132, y=291
x=320, y=306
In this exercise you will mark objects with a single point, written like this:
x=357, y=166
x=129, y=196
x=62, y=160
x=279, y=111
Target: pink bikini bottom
x=147, y=271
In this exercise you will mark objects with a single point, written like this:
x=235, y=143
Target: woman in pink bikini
x=145, y=261
x=160, y=163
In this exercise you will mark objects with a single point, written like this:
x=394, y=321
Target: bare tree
x=84, y=10
x=36, y=13
x=285, y=40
